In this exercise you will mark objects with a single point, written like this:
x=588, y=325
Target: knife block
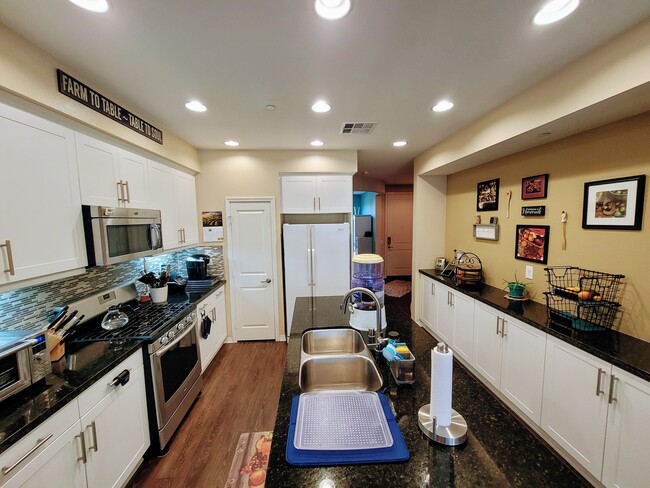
x=55, y=347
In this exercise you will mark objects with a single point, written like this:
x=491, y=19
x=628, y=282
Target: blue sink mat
x=398, y=452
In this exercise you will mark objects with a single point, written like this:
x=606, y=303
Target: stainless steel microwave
x=115, y=234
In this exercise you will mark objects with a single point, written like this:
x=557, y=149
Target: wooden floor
x=240, y=394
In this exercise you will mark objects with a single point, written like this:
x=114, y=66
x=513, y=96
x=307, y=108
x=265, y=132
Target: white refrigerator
x=316, y=262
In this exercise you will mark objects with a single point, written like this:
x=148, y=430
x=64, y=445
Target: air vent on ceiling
x=358, y=127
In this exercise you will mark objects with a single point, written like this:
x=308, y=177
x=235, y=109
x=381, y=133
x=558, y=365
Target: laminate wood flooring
x=240, y=394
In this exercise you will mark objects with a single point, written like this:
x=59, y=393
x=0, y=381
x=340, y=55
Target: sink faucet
x=371, y=332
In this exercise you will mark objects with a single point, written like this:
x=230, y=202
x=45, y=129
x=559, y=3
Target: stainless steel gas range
x=172, y=360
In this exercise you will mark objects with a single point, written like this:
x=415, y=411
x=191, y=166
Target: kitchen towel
x=206, y=325
x=398, y=452
x=441, y=371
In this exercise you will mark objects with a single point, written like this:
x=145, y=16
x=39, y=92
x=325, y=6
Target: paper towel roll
x=441, y=369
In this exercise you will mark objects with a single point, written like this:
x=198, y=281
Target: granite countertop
x=500, y=451
x=621, y=350
x=75, y=372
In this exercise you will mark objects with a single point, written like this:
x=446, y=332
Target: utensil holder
x=55, y=346
x=403, y=370
x=158, y=295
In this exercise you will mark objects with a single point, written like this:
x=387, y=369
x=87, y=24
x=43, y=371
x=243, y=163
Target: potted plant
x=516, y=288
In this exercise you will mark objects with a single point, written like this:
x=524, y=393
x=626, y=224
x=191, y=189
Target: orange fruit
x=584, y=295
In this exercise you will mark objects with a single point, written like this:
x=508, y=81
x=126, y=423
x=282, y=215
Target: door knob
x=268, y=280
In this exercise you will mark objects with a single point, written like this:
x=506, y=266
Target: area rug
x=397, y=288
x=248, y=468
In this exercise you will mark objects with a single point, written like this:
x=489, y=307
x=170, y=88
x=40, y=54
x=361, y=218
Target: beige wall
x=30, y=73
x=256, y=174
x=615, y=150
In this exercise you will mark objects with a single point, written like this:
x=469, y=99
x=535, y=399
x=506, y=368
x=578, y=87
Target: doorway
x=251, y=244
x=399, y=233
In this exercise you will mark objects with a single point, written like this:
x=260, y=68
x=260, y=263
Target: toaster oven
x=24, y=360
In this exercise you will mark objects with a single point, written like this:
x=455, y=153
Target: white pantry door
x=251, y=251
x=399, y=233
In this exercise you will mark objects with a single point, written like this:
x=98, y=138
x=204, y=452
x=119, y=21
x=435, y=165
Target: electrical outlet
x=529, y=272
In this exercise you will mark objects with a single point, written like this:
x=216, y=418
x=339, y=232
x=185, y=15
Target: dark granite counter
x=74, y=373
x=500, y=451
x=621, y=350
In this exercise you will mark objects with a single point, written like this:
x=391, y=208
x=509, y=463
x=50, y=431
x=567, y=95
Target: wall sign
x=85, y=95
x=536, y=211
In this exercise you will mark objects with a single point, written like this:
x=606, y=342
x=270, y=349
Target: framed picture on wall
x=614, y=204
x=487, y=195
x=531, y=243
x=534, y=187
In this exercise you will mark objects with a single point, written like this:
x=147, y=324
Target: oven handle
x=22, y=345
x=162, y=351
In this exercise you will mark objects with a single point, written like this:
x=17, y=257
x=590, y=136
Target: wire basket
x=581, y=298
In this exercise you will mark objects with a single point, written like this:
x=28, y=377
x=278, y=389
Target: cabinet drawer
x=51, y=430
x=93, y=395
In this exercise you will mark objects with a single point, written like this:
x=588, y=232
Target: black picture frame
x=615, y=204
x=531, y=243
x=487, y=195
x=534, y=187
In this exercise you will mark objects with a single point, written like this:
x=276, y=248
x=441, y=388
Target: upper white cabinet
x=110, y=176
x=210, y=341
x=41, y=230
x=174, y=194
x=307, y=194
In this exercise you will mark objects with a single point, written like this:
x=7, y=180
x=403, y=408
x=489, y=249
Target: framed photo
x=487, y=195
x=534, y=187
x=531, y=243
x=614, y=204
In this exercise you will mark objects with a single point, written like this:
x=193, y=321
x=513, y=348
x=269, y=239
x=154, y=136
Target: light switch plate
x=529, y=272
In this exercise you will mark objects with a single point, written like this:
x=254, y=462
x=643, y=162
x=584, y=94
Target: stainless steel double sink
x=336, y=359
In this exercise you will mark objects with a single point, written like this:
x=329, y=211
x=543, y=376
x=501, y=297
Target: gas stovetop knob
x=192, y=317
x=180, y=326
x=170, y=334
x=164, y=340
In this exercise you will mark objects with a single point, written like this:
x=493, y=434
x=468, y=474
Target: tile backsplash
x=27, y=308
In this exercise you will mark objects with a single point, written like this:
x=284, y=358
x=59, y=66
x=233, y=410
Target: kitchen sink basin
x=332, y=341
x=339, y=372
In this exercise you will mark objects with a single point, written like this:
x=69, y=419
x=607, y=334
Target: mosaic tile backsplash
x=27, y=308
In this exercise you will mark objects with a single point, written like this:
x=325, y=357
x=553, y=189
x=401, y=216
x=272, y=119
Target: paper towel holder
x=453, y=434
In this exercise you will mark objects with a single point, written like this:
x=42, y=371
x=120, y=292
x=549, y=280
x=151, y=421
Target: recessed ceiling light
x=317, y=143
x=98, y=6
x=399, y=143
x=195, y=106
x=555, y=10
x=231, y=143
x=270, y=108
x=332, y=9
x=321, y=106
x=442, y=106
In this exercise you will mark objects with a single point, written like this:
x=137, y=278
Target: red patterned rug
x=248, y=468
x=397, y=288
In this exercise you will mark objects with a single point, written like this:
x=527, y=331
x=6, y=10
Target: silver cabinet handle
x=39, y=442
x=10, y=258
x=451, y=299
x=184, y=239
x=433, y=289
x=128, y=193
x=214, y=314
x=503, y=327
x=120, y=191
x=314, y=204
x=600, y=373
x=93, y=429
x=82, y=439
x=498, y=331
x=319, y=204
x=612, y=381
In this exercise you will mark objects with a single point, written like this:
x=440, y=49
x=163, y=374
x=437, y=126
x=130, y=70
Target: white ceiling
x=388, y=62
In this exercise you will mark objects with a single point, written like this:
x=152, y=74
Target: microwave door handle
x=154, y=238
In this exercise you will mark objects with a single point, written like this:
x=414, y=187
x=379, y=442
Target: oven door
x=123, y=239
x=175, y=368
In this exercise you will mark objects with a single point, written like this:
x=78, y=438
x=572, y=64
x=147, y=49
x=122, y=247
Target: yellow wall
x=257, y=174
x=615, y=150
x=30, y=73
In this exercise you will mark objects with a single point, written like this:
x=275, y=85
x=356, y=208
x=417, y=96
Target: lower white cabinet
x=428, y=309
x=96, y=440
x=628, y=430
x=510, y=355
x=455, y=320
x=214, y=308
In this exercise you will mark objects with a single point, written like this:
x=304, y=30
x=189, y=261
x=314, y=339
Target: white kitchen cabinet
x=510, y=355
x=455, y=320
x=428, y=305
x=308, y=194
x=174, y=194
x=41, y=230
x=110, y=176
x=628, y=430
x=213, y=307
x=575, y=402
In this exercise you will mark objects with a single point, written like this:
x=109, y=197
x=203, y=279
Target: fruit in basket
x=597, y=298
x=584, y=295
